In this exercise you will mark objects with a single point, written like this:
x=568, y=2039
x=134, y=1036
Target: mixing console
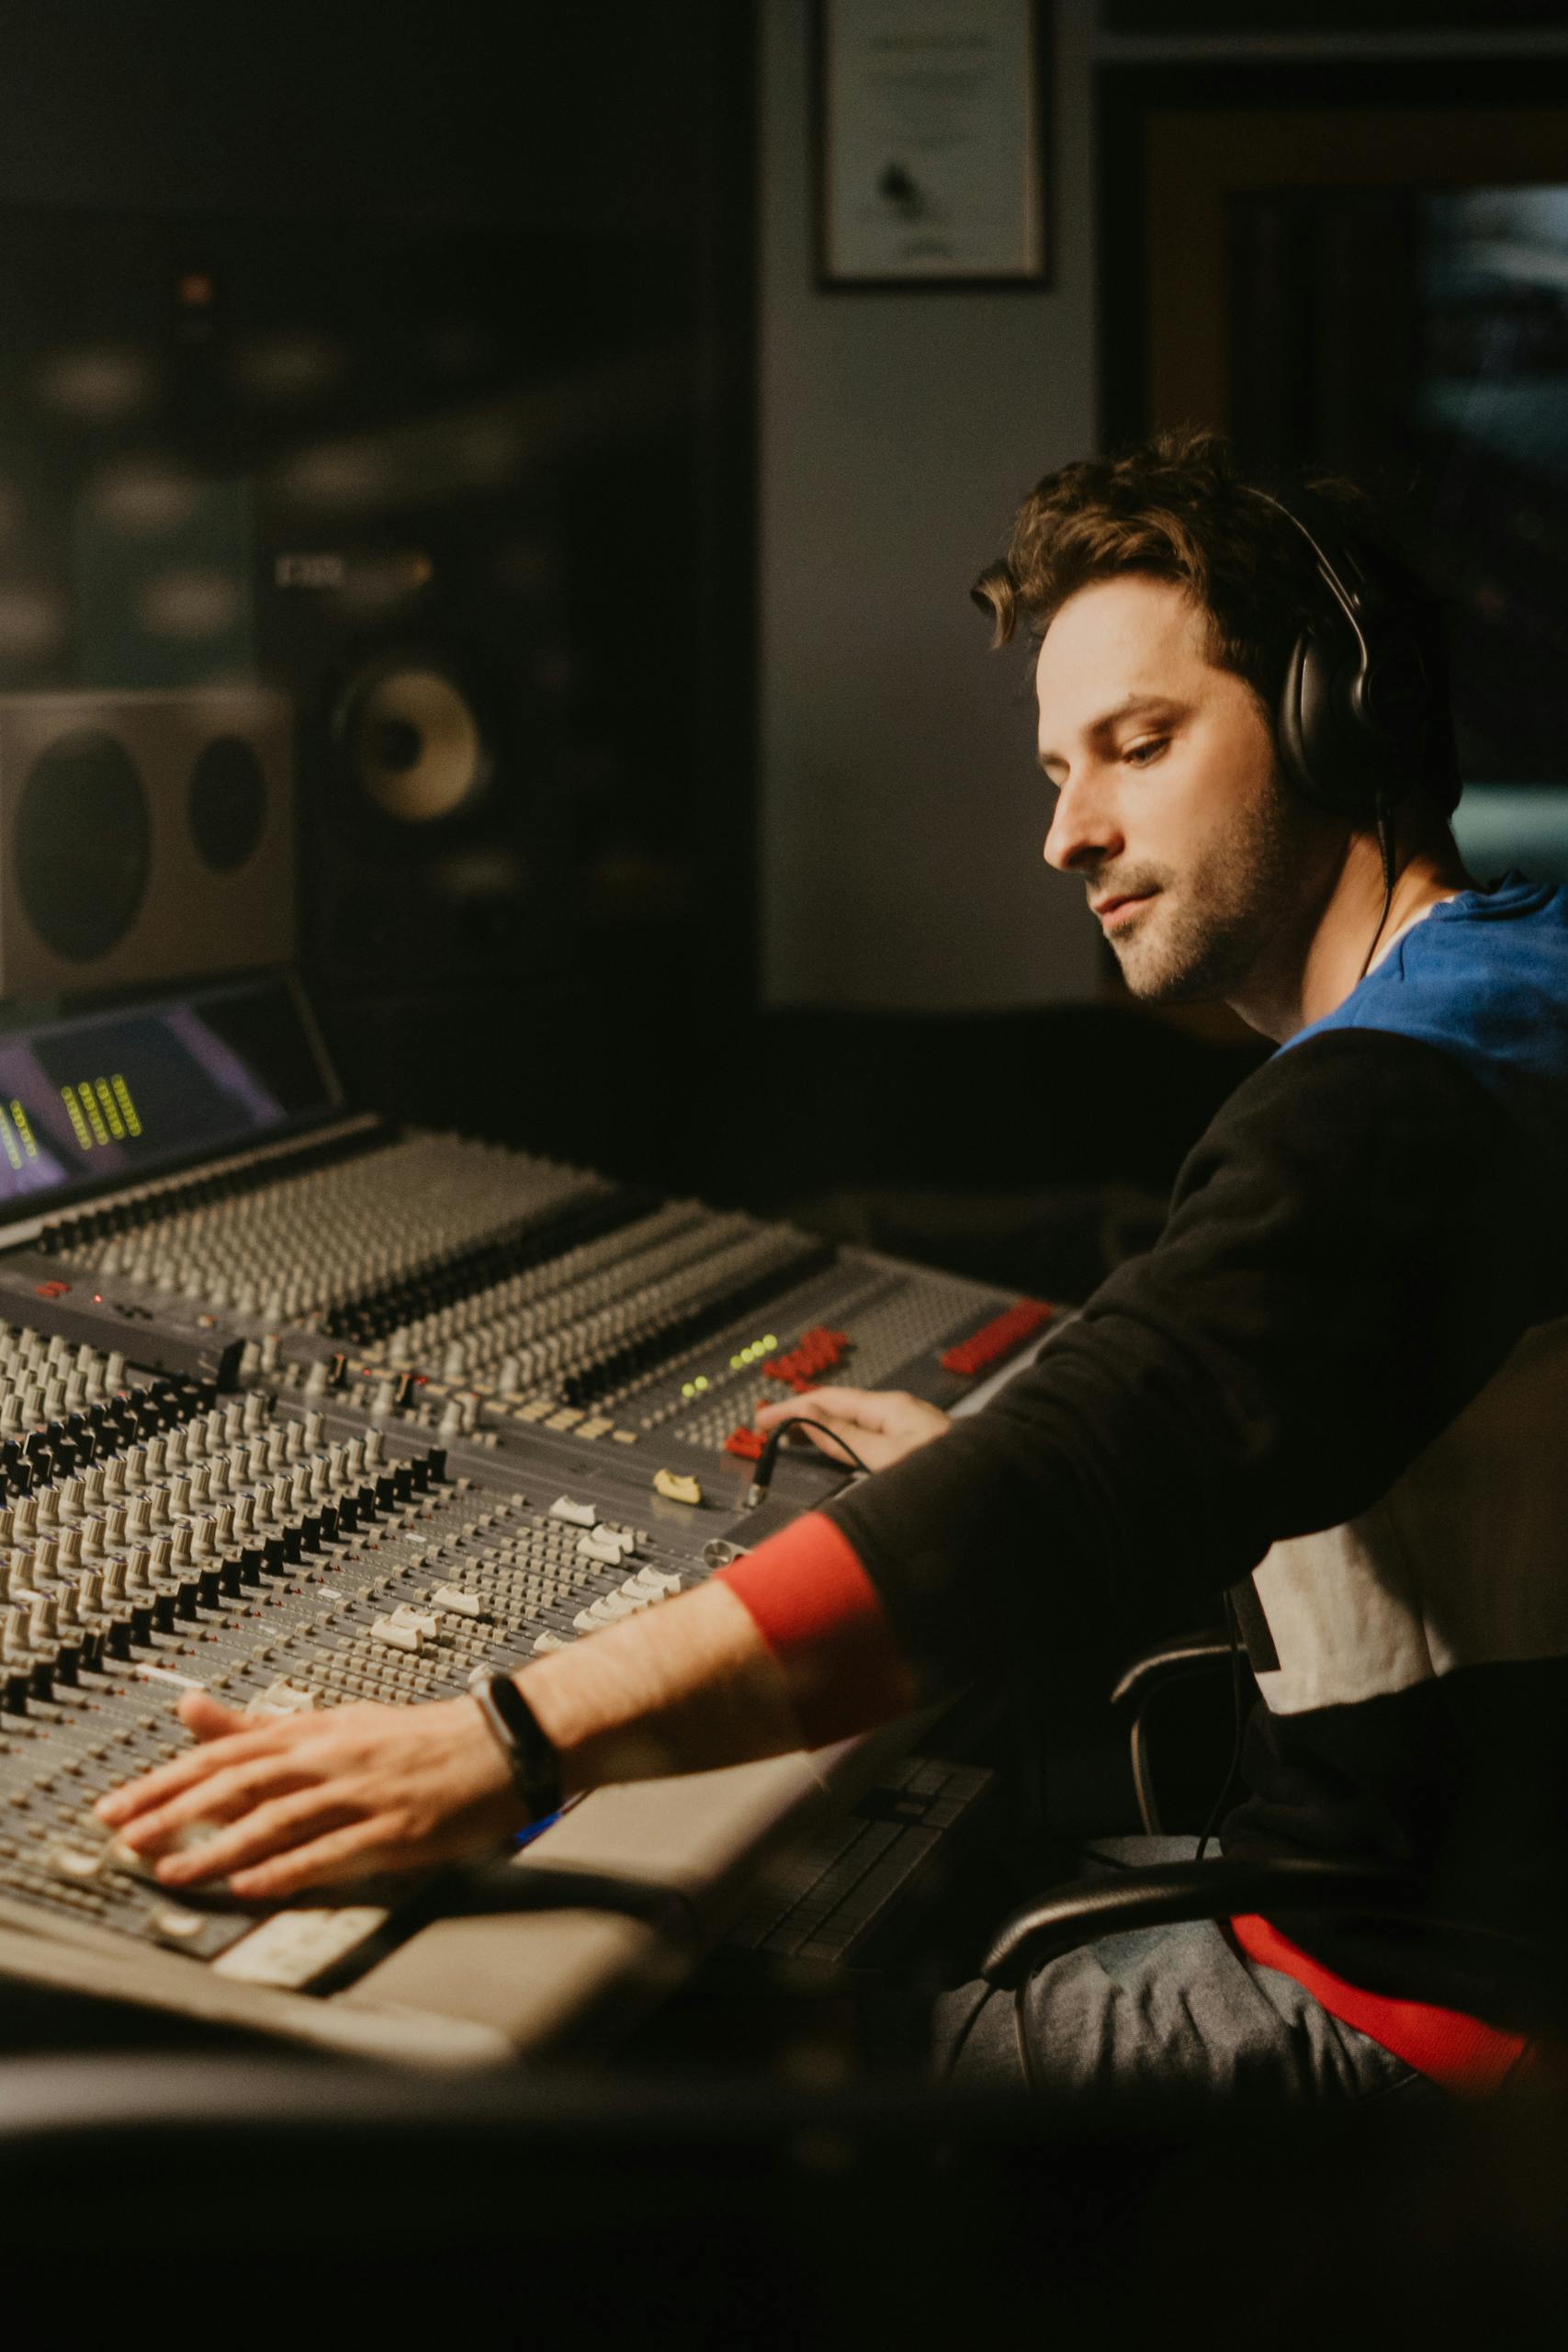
x=158, y=1537
x=351, y=1413
x=325, y=1244
x=481, y=1289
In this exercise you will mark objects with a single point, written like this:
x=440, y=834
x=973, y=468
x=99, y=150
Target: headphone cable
x=1385, y=844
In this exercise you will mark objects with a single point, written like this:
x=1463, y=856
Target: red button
x=1001, y=1336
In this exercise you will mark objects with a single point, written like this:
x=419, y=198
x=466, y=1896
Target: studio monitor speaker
x=145, y=837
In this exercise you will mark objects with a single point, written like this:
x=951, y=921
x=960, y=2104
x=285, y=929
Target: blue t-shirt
x=1483, y=976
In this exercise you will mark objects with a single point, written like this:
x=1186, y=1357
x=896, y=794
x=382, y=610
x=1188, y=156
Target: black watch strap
x=535, y=1766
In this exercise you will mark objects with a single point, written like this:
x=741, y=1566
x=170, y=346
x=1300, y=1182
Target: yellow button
x=676, y=1487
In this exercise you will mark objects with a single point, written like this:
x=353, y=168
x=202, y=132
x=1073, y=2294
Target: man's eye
x=1141, y=754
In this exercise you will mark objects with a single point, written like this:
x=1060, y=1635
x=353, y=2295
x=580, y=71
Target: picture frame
x=931, y=130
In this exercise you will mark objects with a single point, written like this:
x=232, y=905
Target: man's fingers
x=269, y=1828
x=856, y=1408
x=358, y=1850
x=878, y=1425
x=209, y=1719
x=220, y=1797
x=835, y=1433
x=138, y=1797
x=403, y=1786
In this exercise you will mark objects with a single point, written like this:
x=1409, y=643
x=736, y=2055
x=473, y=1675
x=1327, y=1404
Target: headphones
x=1356, y=707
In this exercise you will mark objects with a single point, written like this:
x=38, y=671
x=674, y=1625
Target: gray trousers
x=1161, y=2009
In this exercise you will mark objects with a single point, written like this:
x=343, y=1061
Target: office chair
x=1494, y=1970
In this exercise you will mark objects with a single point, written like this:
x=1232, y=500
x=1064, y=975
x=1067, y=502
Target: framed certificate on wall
x=931, y=127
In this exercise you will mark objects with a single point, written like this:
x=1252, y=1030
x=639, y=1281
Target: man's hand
x=882, y=1424
x=310, y=1798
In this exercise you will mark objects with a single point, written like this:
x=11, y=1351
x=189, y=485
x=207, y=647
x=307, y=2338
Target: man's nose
x=1083, y=831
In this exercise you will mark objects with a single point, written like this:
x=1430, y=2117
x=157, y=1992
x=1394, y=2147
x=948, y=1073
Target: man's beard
x=1208, y=930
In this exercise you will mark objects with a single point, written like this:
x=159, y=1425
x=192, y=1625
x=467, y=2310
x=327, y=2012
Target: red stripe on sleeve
x=1459, y=2052
x=822, y=1617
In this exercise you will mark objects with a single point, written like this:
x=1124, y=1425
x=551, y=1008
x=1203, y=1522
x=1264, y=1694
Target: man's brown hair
x=1176, y=509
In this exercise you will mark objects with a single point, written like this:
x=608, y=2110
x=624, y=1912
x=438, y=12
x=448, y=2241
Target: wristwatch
x=517, y=1732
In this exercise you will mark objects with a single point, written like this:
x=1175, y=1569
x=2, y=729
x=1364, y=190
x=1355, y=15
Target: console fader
x=482, y=1290
x=340, y=1412
x=162, y=1537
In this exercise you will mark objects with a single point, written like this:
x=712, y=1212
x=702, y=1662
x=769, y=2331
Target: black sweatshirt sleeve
x=1353, y=1247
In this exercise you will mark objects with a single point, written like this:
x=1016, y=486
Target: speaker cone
x=413, y=744
x=228, y=802
x=83, y=845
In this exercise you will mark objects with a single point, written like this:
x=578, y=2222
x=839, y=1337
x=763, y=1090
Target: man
x=1332, y=1385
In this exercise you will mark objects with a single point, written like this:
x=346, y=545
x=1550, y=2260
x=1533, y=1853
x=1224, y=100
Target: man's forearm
x=682, y=1689
x=791, y=1654
x=786, y=1648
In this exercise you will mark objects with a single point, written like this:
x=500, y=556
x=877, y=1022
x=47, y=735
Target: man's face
x=1201, y=869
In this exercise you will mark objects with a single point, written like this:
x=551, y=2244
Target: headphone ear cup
x=1290, y=733
x=1316, y=737
x=1324, y=744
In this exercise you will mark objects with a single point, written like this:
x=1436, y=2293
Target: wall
x=901, y=813
x=359, y=108
x=901, y=817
